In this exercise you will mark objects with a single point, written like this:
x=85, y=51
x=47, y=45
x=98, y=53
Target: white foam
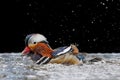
x=14, y=67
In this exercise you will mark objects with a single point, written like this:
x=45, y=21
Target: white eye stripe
x=30, y=40
x=36, y=38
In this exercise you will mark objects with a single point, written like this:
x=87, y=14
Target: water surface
x=15, y=67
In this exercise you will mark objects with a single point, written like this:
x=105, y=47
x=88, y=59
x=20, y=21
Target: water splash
x=15, y=67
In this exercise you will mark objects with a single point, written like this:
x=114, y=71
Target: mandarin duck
x=38, y=48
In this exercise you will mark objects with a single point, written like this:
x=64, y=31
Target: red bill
x=26, y=51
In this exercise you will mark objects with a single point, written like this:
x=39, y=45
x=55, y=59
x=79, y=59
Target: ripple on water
x=15, y=67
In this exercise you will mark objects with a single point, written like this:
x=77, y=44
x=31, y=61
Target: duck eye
x=34, y=42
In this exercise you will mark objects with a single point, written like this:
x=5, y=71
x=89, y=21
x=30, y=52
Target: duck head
x=31, y=41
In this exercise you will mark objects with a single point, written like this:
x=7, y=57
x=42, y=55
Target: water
x=15, y=67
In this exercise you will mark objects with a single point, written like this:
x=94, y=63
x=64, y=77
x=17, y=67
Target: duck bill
x=26, y=51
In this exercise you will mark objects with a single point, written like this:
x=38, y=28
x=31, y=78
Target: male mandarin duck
x=38, y=49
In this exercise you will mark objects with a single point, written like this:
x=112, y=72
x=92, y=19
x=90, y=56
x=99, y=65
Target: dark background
x=93, y=25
